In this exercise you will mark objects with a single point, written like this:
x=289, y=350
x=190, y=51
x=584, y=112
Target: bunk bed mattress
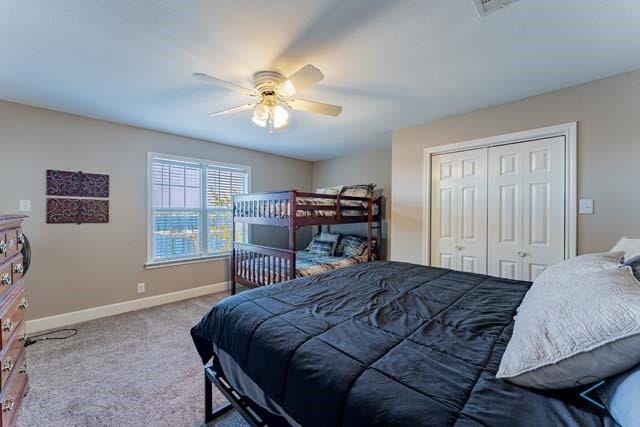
x=281, y=209
x=308, y=264
x=382, y=343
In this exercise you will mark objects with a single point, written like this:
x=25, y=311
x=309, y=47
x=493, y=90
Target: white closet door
x=505, y=211
x=444, y=211
x=459, y=209
x=526, y=208
x=543, y=205
x=472, y=214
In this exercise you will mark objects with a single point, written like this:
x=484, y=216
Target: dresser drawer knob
x=23, y=368
x=3, y=246
x=7, y=325
x=21, y=238
x=5, y=279
x=7, y=405
x=18, y=268
x=7, y=365
x=24, y=303
x=23, y=336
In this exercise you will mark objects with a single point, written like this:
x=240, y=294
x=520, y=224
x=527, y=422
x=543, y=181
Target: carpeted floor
x=134, y=369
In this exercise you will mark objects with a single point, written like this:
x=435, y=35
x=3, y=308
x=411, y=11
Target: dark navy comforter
x=385, y=343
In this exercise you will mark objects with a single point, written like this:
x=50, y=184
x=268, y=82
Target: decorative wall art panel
x=77, y=184
x=77, y=211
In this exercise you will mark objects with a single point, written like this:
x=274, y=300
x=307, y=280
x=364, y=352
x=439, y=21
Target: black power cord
x=26, y=262
x=46, y=336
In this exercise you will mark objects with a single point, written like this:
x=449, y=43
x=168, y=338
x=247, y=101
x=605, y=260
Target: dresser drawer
x=14, y=390
x=17, y=268
x=11, y=245
x=6, y=275
x=10, y=356
x=12, y=315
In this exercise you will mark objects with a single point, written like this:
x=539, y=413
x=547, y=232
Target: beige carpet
x=134, y=369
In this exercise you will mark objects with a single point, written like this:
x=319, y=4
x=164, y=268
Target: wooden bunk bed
x=255, y=265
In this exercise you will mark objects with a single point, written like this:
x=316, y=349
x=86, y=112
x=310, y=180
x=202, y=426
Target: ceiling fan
x=274, y=95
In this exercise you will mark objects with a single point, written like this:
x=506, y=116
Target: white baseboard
x=66, y=319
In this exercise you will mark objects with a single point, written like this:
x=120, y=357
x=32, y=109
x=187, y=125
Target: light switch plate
x=141, y=288
x=24, y=206
x=586, y=206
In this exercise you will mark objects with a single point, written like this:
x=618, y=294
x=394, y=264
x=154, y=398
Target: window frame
x=204, y=209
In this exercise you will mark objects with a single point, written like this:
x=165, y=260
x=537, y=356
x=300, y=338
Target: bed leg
x=211, y=414
x=233, y=287
x=208, y=399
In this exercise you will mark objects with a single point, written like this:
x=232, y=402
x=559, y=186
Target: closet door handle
x=458, y=247
x=521, y=254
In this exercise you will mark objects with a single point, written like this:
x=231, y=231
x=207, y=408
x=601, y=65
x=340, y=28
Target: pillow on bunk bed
x=331, y=191
x=351, y=246
x=319, y=247
x=361, y=190
x=325, y=237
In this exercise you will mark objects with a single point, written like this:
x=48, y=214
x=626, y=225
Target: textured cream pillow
x=629, y=245
x=579, y=321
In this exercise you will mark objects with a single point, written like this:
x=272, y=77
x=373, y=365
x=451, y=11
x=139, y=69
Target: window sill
x=172, y=263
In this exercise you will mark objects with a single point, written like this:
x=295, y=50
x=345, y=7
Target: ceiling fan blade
x=237, y=109
x=207, y=78
x=302, y=79
x=315, y=107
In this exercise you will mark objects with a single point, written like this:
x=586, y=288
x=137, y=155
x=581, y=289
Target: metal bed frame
x=253, y=414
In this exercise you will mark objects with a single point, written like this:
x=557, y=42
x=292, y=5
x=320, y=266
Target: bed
x=258, y=265
x=382, y=343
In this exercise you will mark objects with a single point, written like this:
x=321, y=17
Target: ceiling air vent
x=486, y=7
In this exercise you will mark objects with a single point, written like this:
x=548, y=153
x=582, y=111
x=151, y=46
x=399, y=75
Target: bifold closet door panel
x=526, y=208
x=505, y=211
x=444, y=211
x=458, y=211
x=543, y=205
x=472, y=214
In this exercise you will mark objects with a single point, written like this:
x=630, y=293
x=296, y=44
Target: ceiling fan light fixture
x=260, y=122
x=260, y=115
x=279, y=116
x=286, y=89
x=273, y=94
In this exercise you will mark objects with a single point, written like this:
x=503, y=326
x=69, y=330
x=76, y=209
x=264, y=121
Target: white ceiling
x=390, y=63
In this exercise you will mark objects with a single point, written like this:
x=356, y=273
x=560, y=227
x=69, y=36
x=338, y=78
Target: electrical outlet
x=141, y=288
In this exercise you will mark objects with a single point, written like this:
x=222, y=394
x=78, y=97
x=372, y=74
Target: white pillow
x=629, y=245
x=580, y=319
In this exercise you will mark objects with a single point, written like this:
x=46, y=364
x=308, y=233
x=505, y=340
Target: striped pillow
x=351, y=246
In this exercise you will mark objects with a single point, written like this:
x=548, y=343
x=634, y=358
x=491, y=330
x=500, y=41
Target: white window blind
x=191, y=207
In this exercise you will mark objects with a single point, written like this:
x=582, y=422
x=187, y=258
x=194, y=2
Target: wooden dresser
x=13, y=304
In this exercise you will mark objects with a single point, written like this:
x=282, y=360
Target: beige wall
x=608, y=116
x=82, y=266
x=361, y=168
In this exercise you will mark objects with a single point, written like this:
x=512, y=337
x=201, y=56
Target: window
x=190, y=207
